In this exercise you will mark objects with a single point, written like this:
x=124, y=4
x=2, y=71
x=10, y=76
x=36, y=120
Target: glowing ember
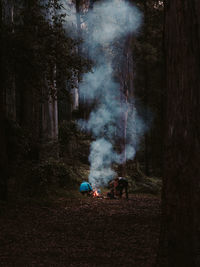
x=95, y=193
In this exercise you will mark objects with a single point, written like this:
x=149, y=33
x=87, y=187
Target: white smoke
x=101, y=157
x=115, y=19
x=107, y=23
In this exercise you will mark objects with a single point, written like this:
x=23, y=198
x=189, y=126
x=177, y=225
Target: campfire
x=96, y=193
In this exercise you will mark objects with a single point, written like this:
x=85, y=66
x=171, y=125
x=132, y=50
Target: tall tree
x=148, y=83
x=180, y=235
x=3, y=141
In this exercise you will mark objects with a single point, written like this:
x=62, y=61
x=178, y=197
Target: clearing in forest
x=81, y=232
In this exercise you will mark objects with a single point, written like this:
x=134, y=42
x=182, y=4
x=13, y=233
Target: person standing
x=121, y=184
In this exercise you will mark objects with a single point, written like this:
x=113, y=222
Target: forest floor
x=80, y=232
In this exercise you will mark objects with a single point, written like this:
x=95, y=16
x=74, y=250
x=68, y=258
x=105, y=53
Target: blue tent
x=85, y=187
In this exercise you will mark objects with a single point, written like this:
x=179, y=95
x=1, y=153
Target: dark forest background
x=42, y=66
x=42, y=150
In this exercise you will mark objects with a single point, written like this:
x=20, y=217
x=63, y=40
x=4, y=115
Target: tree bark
x=126, y=78
x=3, y=140
x=7, y=14
x=3, y=154
x=75, y=91
x=180, y=232
x=146, y=93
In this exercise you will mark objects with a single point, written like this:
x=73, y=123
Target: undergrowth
x=57, y=178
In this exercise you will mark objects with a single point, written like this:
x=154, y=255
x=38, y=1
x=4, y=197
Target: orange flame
x=95, y=193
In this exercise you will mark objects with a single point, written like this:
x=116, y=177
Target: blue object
x=85, y=187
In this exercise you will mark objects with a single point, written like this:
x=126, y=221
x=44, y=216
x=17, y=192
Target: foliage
x=42, y=179
x=52, y=173
x=38, y=45
x=147, y=186
x=38, y=51
x=139, y=182
x=74, y=143
x=149, y=82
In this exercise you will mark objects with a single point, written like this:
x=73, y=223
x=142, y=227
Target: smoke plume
x=108, y=23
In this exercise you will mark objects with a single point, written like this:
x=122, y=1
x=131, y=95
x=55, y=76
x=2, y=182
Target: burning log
x=86, y=189
x=96, y=193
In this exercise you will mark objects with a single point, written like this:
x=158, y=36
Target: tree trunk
x=146, y=93
x=7, y=14
x=3, y=141
x=180, y=233
x=77, y=76
x=127, y=90
x=49, y=120
x=3, y=154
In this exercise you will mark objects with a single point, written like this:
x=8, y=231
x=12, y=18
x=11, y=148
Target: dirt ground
x=81, y=232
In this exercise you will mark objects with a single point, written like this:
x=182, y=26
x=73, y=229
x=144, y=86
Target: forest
x=100, y=135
